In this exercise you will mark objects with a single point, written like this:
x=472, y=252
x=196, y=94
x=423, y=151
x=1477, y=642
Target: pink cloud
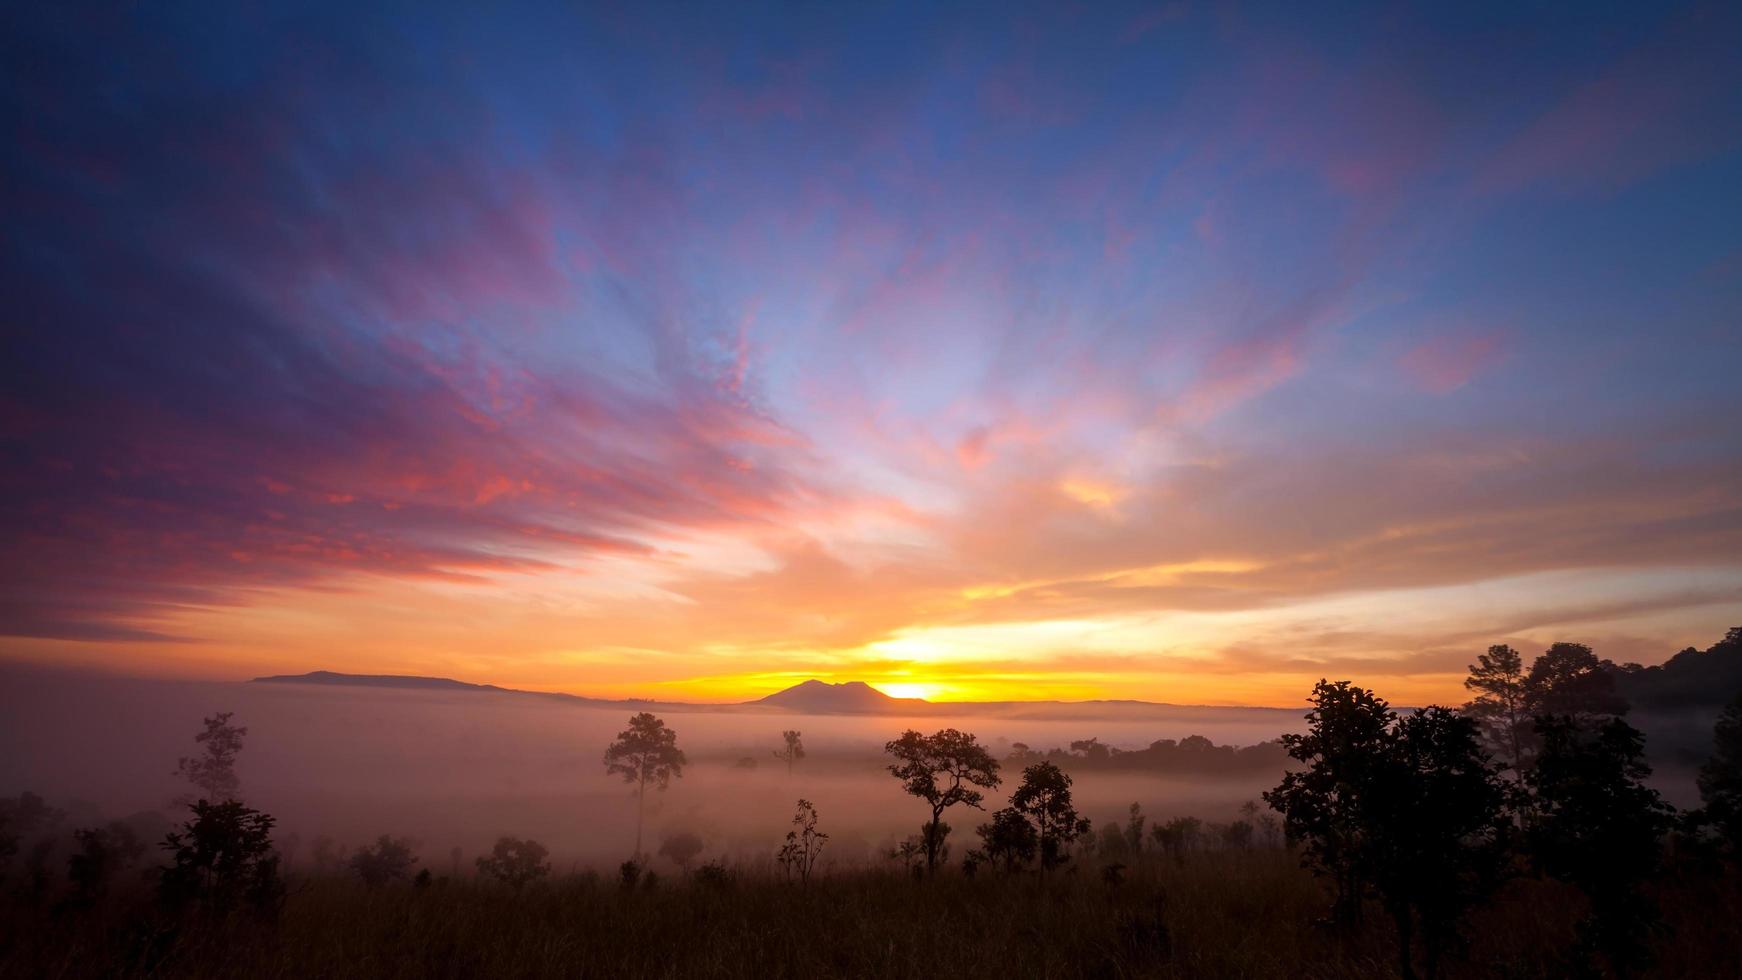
x=1449, y=361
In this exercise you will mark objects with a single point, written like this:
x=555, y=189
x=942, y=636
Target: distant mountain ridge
x=808, y=697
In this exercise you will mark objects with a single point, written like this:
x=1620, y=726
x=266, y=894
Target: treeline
x=1691, y=678
x=1192, y=755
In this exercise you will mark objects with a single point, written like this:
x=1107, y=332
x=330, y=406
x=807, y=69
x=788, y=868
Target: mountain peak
x=847, y=697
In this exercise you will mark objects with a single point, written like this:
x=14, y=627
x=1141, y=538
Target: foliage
x=214, y=772
x=1720, y=778
x=388, y=860
x=1568, y=680
x=944, y=770
x=1324, y=805
x=1497, y=677
x=645, y=752
x=1437, y=830
x=1008, y=841
x=1410, y=809
x=804, y=844
x=1595, y=824
x=223, y=860
x=515, y=862
x=1177, y=836
x=103, y=852
x=1044, y=797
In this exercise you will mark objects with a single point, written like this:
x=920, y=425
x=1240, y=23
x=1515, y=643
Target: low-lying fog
x=460, y=769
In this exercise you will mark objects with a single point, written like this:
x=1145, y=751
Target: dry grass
x=1227, y=914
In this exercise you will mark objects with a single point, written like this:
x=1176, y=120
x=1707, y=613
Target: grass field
x=1220, y=914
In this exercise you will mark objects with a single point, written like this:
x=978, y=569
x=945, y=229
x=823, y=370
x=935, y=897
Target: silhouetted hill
x=331, y=678
x=849, y=698
x=818, y=697
x=1708, y=678
x=381, y=680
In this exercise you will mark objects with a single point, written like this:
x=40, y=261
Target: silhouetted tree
x=943, y=770
x=388, y=860
x=792, y=751
x=1594, y=823
x=645, y=752
x=1091, y=749
x=103, y=852
x=1344, y=748
x=910, y=851
x=1568, y=680
x=1435, y=830
x=1410, y=808
x=1044, y=797
x=1008, y=841
x=222, y=859
x=515, y=862
x=214, y=772
x=804, y=844
x=682, y=848
x=1721, y=778
x=1177, y=836
x=1499, y=706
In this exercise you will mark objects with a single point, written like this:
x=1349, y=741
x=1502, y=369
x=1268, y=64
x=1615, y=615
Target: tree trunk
x=640, y=805
x=1405, y=940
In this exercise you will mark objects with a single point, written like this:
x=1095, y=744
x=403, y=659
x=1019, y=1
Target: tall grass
x=1220, y=914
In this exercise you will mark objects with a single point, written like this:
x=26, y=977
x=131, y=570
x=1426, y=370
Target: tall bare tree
x=1497, y=678
x=645, y=752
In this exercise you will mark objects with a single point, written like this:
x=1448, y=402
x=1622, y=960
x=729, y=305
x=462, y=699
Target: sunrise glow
x=1084, y=353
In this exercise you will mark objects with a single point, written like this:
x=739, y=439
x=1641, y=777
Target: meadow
x=1217, y=913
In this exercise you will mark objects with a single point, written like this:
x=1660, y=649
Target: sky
x=1183, y=352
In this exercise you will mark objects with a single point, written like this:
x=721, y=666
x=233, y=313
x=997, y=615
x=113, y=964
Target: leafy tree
x=1499, y=707
x=214, y=772
x=1411, y=809
x=103, y=852
x=682, y=848
x=944, y=770
x=1323, y=806
x=223, y=858
x=804, y=844
x=515, y=862
x=1721, y=778
x=1177, y=836
x=1436, y=830
x=388, y=860
x=1008, y=841
x=1091, y=749
x=1044, y=797
x=793, y=751
x=1568, y=680
x=645, y=752
x=1594, y=823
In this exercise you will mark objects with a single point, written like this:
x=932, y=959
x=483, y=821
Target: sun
x=907, y=689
